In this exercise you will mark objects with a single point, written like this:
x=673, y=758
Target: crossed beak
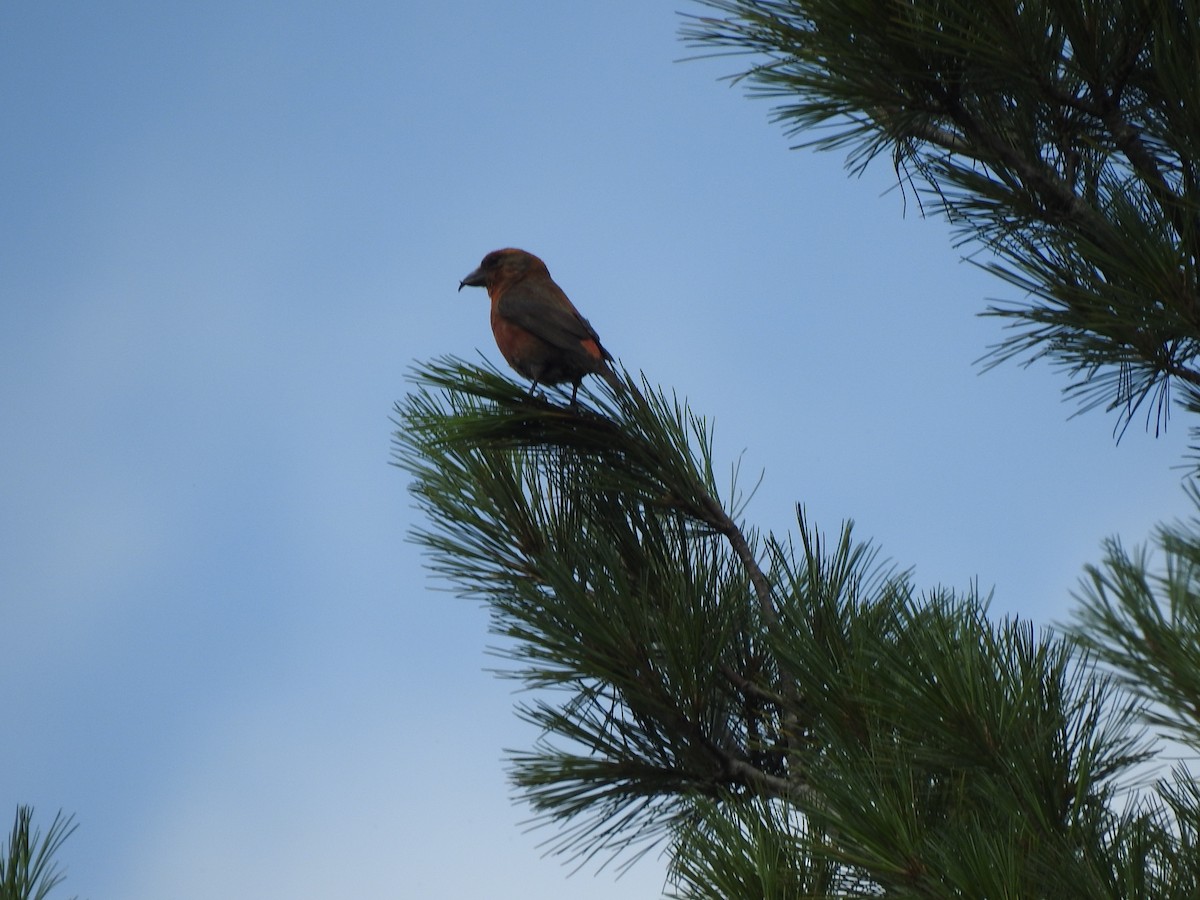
x=475, y=279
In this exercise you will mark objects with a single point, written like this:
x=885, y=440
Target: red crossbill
x=538, y=330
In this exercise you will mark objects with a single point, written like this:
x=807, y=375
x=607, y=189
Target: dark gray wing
x=543, y=310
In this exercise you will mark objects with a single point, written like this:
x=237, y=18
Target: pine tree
x=794, y=718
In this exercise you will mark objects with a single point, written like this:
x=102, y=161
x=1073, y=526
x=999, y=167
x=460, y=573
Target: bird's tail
x=613, y=379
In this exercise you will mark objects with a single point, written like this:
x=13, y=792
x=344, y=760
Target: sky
x=227, y=232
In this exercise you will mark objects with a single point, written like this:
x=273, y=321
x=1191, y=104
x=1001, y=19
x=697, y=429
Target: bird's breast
x=519, y=348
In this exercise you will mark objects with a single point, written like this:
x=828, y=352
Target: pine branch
x=595, y=532
x=714, y=515
x=1140, y=613
x=1039, y=129
x=892, y=726
x=28, y=871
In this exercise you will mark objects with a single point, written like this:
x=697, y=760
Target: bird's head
x=502, y=267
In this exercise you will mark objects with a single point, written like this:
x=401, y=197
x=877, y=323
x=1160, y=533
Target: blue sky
x=227, y=232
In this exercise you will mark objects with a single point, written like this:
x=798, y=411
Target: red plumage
x=538, y=330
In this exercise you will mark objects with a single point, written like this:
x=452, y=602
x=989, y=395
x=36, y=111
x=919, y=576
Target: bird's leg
x=574, y=391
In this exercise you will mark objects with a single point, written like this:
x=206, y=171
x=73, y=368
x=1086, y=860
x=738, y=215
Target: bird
x=538, y=330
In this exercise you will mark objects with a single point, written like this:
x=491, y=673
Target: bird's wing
x=545, y=311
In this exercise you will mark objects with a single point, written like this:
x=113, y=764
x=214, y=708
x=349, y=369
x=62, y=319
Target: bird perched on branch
x=538, y=330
